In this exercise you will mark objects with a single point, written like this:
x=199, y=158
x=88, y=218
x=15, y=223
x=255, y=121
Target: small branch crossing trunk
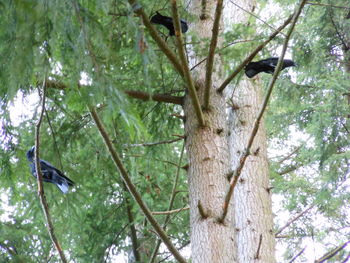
x=246, y=234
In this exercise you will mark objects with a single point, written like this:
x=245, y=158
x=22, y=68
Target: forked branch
x=238, y=171
x=39, y=177
x=131, y=187
x=187, y=72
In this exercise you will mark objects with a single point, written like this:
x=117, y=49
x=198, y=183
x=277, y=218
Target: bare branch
x=257, y=255
x=203, y=214
x=39, y=177
x=171, y=204
x=211, y=53
x=153, y=143
x=291, y=221
x=133, y=235
x=332, y=253
x=187, y=73
x=132, y=189
x=252, y=55
x=171, y=211
x=155, y=97
x=156, y=37
x=256, y=125
x=297, y=255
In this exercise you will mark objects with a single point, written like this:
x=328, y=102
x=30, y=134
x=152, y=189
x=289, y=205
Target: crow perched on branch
x=50, y=173
x=266, y=65
x=168, y=23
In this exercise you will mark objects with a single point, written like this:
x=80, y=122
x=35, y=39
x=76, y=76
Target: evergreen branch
x=131, y=187
x=253, y=54
x=297, y=255
x=187, y=73
x=155, y=97
x=291, y=221
x=153, y=143
x=332, y=253
x=156, y=37
x=238, y=171
x=11, y=250
x=171, y=204
x=211, y=54
x=171, y=211
x=336, y=6
x=291, y=153
x=39, y=177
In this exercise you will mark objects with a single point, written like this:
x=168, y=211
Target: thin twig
x=133, y=235
x=252, y=55
x=183, y=59
x=39, y=177
x=257, y=255
x=171, y=204
x=156, y=37
x=291, y=221
x=254, y=15
x=131, y=187
x=152, y=143
x=256, y=125
x=297, y=255
x=211, y=53
x=171, y=211
x=332, y=253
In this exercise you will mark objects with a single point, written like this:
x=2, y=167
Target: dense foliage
x=90, y=52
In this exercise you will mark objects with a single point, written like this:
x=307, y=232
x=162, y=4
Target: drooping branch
x=155, y=97
x=171, y=204
x=211, y=54
x=252, y=55
x=291, y=221
x=39, y=177
x=131, y=187
x=332, y=253
x=187, y=73
x=238, y=171
x=156, y=37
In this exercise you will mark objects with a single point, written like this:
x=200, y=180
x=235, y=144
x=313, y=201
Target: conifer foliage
x=103, y=55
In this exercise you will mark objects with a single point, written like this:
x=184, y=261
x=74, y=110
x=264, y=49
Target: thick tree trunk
x=208, y=160
x=252, y=198
x=213, y=152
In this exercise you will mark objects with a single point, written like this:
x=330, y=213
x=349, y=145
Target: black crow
x=266, y=65
x=50, y=173
x=168, y=23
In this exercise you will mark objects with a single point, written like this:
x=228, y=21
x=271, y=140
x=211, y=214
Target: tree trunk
x=213, y=152
x=208, y=160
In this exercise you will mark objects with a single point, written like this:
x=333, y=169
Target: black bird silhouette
x=168, y=23
x=50, y=173
x=266, y=65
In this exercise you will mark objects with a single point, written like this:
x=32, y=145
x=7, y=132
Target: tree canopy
x=100, y=53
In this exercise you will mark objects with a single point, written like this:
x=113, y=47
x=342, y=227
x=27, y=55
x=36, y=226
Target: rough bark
x=208, y=158
x=213, y=151
x=252, y=198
